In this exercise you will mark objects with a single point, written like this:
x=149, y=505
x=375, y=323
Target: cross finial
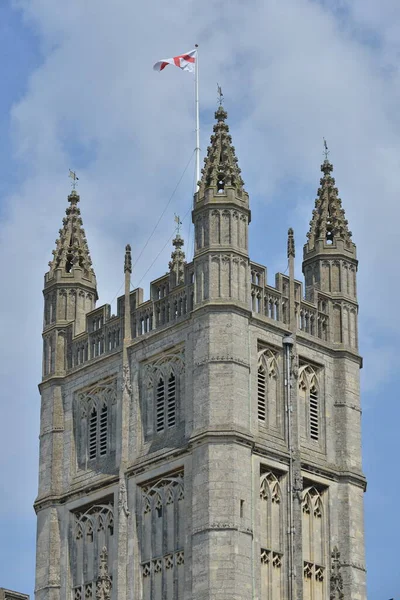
x=74, y=178
x=220, y=95
x=178, y=224
x=326, y=151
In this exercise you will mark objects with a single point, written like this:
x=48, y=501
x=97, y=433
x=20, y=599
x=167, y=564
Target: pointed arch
x=314, y=543
x=309, y=396
x=272, y=527
x=269, y=406
x=162, y=535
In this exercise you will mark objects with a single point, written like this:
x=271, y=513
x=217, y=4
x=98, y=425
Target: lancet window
x=309, y=395
x=269, y=405
x=271, y=537
x=162, y=530
x=96, y=418
x=92, y=550
x=162, y=387
x=314, y=545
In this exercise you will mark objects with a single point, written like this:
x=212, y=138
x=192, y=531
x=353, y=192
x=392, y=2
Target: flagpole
x=197, y=117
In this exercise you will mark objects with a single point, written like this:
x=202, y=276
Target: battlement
x=273, y=303
x=166, y=307
x=104, y=332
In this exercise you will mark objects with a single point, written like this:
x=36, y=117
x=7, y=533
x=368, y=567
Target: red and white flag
x=186, y=62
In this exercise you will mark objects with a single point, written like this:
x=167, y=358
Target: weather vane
x=220, y=95
x=178, y=224
x=326, y=151
x=74, y=178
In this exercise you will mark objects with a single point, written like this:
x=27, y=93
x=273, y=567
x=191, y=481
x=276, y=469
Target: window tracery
x=161, y=390
x=271, y=536
x=162, y=538
x=92, y=551
x=314, y=544
x=94, y=428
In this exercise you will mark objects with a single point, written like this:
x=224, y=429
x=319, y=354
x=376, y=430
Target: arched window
x=98, y=431
x=92, y=531
x=310, y=398
x=272, y=535
x=95, y=407
x=314, y=545
x=269, y=407
x=162, y=534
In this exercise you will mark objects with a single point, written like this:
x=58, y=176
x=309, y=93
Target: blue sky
x=77, y=90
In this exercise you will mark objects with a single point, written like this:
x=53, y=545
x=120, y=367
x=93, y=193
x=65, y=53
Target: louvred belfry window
x=98, y=432
x=309, y=395
x=269, y=399
x=261, y=390
x=160, y=405
x=162, y=389
x=314, y=416
x=165, y=403
x=95, y=432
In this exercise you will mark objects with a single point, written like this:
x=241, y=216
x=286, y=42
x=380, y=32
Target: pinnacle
x=221, y=168
x=177, y=262
x=328, y=222
x=71, y=246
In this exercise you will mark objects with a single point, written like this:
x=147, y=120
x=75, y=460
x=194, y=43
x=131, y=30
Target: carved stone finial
x=290, y=243
x=103, y=583
x=336, y=579
x=128, y=259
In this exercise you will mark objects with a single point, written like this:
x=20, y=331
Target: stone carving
x=162, y=367
x=216, y=359
x=163, y=492
x=126, y=376
x=103, y=583
x=290, y=244
x=128, y=259
x=298, y=486
x=336, y=580
x=177, y=262
x=123, y=499
x=97, y=518
x=294, y=366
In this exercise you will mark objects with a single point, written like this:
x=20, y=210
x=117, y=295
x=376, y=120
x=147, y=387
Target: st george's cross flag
x=186, y=62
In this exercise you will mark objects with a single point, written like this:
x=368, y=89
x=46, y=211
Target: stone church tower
x=204, y=444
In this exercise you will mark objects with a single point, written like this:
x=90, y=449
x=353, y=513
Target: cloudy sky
x=78, y=91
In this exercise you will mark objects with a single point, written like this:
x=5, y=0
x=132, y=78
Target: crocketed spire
x=328, y=222
x=71, y=246
x=221, y=165
x=177, y=262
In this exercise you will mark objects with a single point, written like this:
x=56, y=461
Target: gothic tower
x=204, y=444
